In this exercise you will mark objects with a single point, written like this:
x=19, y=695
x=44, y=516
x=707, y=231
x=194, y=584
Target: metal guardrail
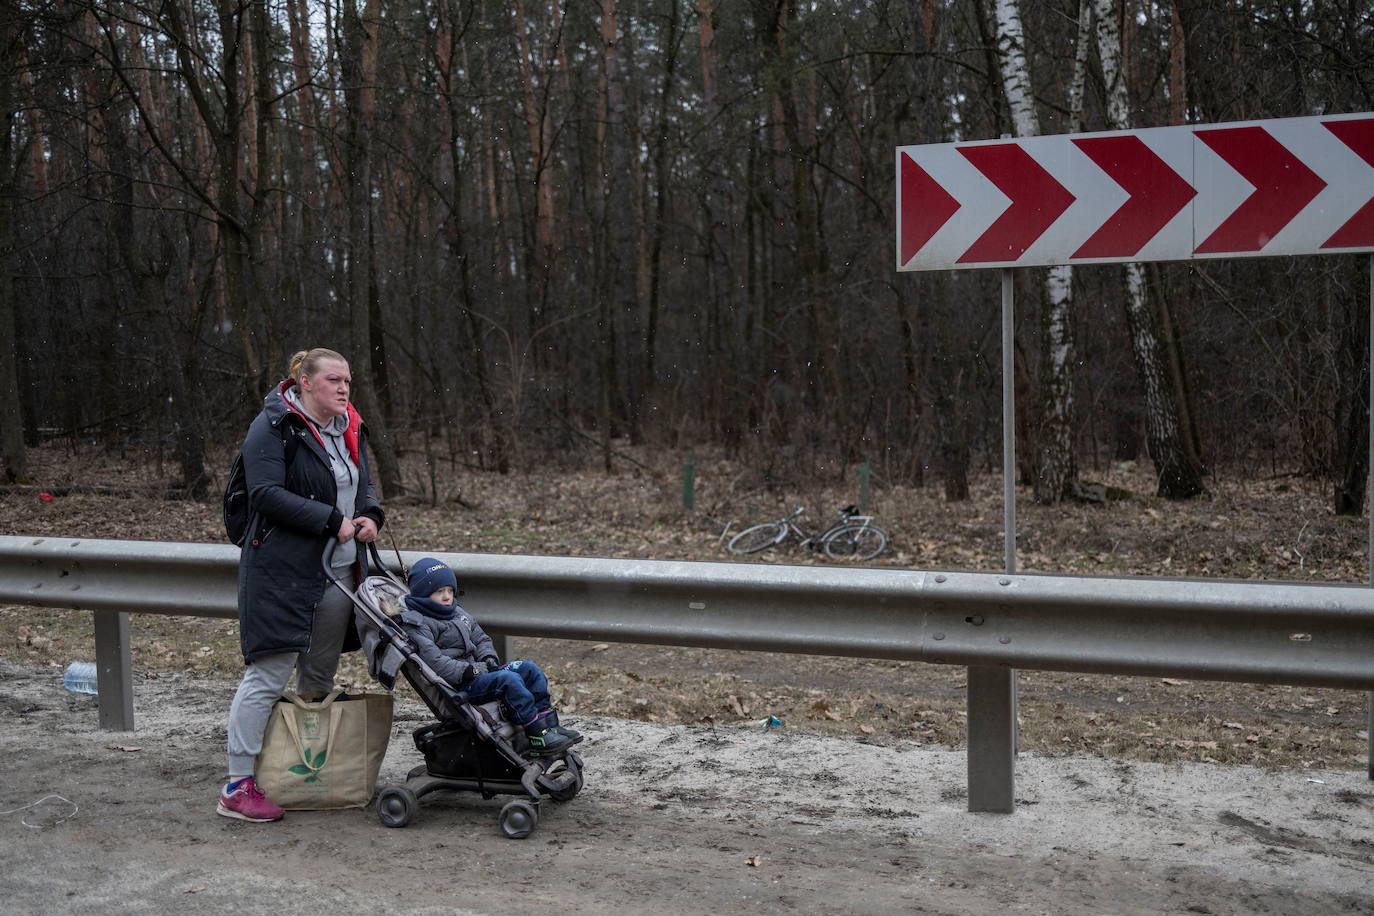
x=1254, y=632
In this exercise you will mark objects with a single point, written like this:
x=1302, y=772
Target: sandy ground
x=672, y=819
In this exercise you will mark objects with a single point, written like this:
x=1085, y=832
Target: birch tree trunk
x=1166, y=433
x=1080, y=66
x=1055, y=466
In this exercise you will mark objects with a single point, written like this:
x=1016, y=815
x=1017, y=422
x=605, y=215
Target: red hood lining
x=351, y=433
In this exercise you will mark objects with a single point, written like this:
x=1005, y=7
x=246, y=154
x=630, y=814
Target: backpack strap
x=237, y=510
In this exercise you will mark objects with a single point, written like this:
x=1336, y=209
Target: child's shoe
x=547, y=739
x=247, y=803
x=550, y=717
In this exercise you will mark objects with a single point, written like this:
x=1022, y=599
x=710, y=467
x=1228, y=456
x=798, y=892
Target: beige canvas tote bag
x=324, y=755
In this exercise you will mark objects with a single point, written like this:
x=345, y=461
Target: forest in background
x=539, y=230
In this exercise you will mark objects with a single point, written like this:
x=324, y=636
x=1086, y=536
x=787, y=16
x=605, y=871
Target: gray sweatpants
x=265, y=678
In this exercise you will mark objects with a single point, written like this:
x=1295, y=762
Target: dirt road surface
x=673, y=819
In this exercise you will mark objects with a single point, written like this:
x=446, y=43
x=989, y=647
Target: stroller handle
x=374, y=560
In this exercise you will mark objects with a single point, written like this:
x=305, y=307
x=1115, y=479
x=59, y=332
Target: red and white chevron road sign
x=1245, y=189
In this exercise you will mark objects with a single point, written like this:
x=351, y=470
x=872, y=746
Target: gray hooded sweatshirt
x=345, y=472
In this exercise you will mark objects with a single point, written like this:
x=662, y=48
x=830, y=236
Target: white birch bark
x=1080, y=66
x=1178, y=474
x=1055, y=468
x=1016, y=75
x=1109, y=50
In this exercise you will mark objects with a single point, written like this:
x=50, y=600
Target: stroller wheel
x=568, y=794
x=567, y=787
x=395, y=805
x=518, y=819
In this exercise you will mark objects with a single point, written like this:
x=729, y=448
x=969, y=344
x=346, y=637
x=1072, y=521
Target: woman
x=308, y=487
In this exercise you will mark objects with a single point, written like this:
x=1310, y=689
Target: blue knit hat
x=428, y=575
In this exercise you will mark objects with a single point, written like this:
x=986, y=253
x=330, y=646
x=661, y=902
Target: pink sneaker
x=247, y=803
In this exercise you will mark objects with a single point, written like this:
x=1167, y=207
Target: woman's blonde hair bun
x=305, y=362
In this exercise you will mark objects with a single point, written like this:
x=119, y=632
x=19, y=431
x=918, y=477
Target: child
x=454, y=645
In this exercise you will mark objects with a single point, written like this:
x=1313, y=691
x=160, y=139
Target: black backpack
x=237, y=515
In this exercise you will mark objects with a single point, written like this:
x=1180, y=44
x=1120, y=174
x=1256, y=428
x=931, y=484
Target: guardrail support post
x=991, y=739
x=501, y=643
x=113, y=672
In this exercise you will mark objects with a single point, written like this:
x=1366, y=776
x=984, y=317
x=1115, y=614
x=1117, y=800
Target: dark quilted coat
x=281, y=574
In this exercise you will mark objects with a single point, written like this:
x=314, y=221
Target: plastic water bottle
x=80, y=677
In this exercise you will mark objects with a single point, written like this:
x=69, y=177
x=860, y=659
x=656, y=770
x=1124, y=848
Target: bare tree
x=13, y=142
x=620, y=226
x=1056, y=467
x=215, y=175
x=1167, y=433
x=661, y=189
x=449, y=51
x=221, y=110
x=1351, y=464
x=358, y=68
x=535, y=104
x=148, y=251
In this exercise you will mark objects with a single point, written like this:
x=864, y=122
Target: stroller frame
x=472, y=747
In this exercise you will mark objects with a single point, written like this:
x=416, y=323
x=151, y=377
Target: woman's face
x=325, y=394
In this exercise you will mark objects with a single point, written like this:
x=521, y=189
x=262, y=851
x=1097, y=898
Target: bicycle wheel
x=855, y=542
x=752, y=540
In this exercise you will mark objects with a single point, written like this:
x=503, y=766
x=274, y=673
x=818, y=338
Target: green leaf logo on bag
x=310, y=768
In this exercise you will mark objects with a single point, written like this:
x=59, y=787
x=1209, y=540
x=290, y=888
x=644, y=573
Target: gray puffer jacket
x=449, y=646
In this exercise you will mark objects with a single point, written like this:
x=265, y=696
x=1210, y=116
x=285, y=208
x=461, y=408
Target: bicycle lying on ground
x=851, y=536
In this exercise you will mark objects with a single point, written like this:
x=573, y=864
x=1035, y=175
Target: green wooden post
x=689, y=480
x=863, y=487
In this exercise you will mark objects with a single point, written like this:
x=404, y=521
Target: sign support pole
x=1008, y=421
x=992, y=690
x=1369, y=494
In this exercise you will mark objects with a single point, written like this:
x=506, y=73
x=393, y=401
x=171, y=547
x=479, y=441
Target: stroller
x=473, y=748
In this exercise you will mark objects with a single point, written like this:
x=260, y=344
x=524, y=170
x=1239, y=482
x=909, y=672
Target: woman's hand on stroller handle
x=365, y=529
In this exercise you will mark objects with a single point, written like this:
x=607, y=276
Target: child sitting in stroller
x=454, y=645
